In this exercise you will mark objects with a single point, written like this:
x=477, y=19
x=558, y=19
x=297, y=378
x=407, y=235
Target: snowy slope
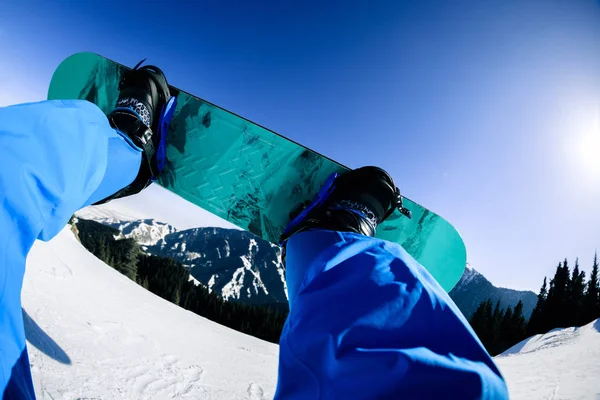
x=93, y=333
x=561, y=364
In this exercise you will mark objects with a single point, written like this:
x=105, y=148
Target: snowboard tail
x=250, y=175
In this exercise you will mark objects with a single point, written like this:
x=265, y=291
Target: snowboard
x=249, y=175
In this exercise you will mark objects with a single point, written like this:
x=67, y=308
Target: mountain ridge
x=243, y=267
x=474, y=288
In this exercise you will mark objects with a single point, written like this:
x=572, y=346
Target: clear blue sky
x=486, y=112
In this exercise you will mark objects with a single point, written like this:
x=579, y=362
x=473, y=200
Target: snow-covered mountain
x=235, y=263
x=146, y=232
x=93, y=333
x=243, y=267
x=473, y=288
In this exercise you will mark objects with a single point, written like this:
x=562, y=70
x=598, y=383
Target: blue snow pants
x=366, y=320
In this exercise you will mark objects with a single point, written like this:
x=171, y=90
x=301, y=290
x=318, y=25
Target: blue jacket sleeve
x=57, y=156
x=368, y=322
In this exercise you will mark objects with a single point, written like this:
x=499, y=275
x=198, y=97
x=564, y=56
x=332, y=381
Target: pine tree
x=496, y=343
x=504, y=339
x=536, y=322
x=556, y=310
x=177, y=297
x=479, y=320
x=100, y=251
x=517, y=329
x=487, y=334
x=497, y=318
x=591, y=300
x=575, y=296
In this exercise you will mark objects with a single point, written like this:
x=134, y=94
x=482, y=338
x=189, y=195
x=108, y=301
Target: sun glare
x=589, y=150
x=580, y=145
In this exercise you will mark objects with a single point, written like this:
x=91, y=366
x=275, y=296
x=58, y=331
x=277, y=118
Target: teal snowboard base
x=249, y=175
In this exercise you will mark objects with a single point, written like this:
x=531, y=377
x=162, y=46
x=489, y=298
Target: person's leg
x=57, y=156
x=366, y=320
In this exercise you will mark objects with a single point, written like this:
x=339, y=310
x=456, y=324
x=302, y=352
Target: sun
x=580, y=147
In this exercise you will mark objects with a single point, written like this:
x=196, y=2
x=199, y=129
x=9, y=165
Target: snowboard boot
x=143, y=112
x=357, y=201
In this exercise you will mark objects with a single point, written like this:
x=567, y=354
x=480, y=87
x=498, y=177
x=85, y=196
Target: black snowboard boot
x=356, y=201
x=139, y=111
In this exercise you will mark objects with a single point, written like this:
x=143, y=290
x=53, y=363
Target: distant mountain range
x=234, y=263
x=243, y=267
x=237, y=264
x=473, y=288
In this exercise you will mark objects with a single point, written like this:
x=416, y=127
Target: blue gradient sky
x=485, y=112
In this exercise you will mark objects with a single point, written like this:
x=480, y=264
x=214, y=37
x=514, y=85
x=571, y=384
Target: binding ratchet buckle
x=399, y=206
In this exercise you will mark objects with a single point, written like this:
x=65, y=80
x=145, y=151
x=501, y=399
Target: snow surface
x=561, y=364
x=93, y=333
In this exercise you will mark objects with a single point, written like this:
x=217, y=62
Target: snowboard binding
x=357, y=201
x=143, y=114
